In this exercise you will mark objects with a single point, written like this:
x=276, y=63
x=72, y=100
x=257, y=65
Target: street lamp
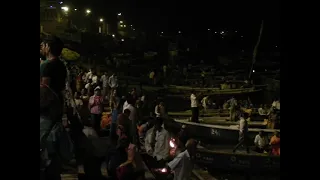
x=121, y=22
x=65, y=8
x=88, y=11
x=119, y=14
x=101, y=20
x=113, y=35
x=75, y=9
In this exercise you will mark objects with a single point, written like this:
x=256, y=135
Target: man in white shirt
x=204, y=103
x=104, y=79
x=182, y=165
x=157, y=143
x=233, y=103
x=194, y=108
x=88, y=75
x=243, y=133
x=113, y=82
x=94, y=79
x=260, y=142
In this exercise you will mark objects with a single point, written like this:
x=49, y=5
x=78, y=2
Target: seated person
x=275, y=144
x=260, y=142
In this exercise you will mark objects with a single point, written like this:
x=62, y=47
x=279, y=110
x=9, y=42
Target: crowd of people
x=92, y=95
x=135, y=123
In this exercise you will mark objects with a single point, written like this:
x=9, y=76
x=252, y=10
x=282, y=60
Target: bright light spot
x=276, y=46
x=242, y=36
x=265, y=70
x=172, y=145
x=60, y=2
x=222, y=32
x=253, y=71
x=161, y=32
x=113, y=35
x=164, y=170
x=215, y=32
x=209, y=29
x=119, y=14
x=75, y=9
x=121, y=25
x=101, y=20
x=179, y=32
x=88, y=11
x=122, y=39
x=236, y=31
x=124, y=25
x=121, y=22
x=134, y=29
x=66, y=9
x=131, y=25
x=51, y=6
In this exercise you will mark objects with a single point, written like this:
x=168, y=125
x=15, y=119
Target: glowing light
x=209, y=29
x=75, y=9
x=88, y=11
x=101, y=20
x=253, y=71
x=113, y=35
x=121, y=25
x=164, y=170
x=60, y=2
x=122, y=39
x=64, y=8
x=119, y=14
x=124, y=25
x=121, y=22
x=179, y=32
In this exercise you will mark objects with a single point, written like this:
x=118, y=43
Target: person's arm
x=167, y=144
x=174, y=163
x=131, y=154
x=156, y=110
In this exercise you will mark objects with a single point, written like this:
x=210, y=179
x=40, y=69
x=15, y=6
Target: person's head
x=51, y=46
x=261, y=133
x=114, y=92
x=158, y=123
x=161, y=104
x=245, y=115
x=127, y=112
x=191, y=147
x=83, y=91
x=97, y=91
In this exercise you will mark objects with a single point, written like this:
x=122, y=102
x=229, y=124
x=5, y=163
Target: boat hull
x=219, y=134
x=238, y=162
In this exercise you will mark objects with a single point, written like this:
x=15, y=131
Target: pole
x=255, y=51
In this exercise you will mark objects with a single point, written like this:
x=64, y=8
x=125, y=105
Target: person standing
x=52, y=85
x=104, y=79
x=96, y=108
x=243, y=133
x=233, y=104
x=194, y=108
x=113, y=82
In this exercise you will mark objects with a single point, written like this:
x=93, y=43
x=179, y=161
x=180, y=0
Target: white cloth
x=260, y=141
x=133, y=112
x=94, y=79
x=162, y=146
x=193, y=100
x=204, y=101
x=181, y=166
x=113, y=81
x=243, y=125
x=104, y=79
x=276, y=104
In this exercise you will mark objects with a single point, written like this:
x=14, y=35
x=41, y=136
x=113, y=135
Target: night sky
x=192, y=17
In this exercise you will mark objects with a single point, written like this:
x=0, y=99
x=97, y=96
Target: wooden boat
x=209, y=113
x=224, y=122
x=220, y=134
x=222, y=157
x=211, y=91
